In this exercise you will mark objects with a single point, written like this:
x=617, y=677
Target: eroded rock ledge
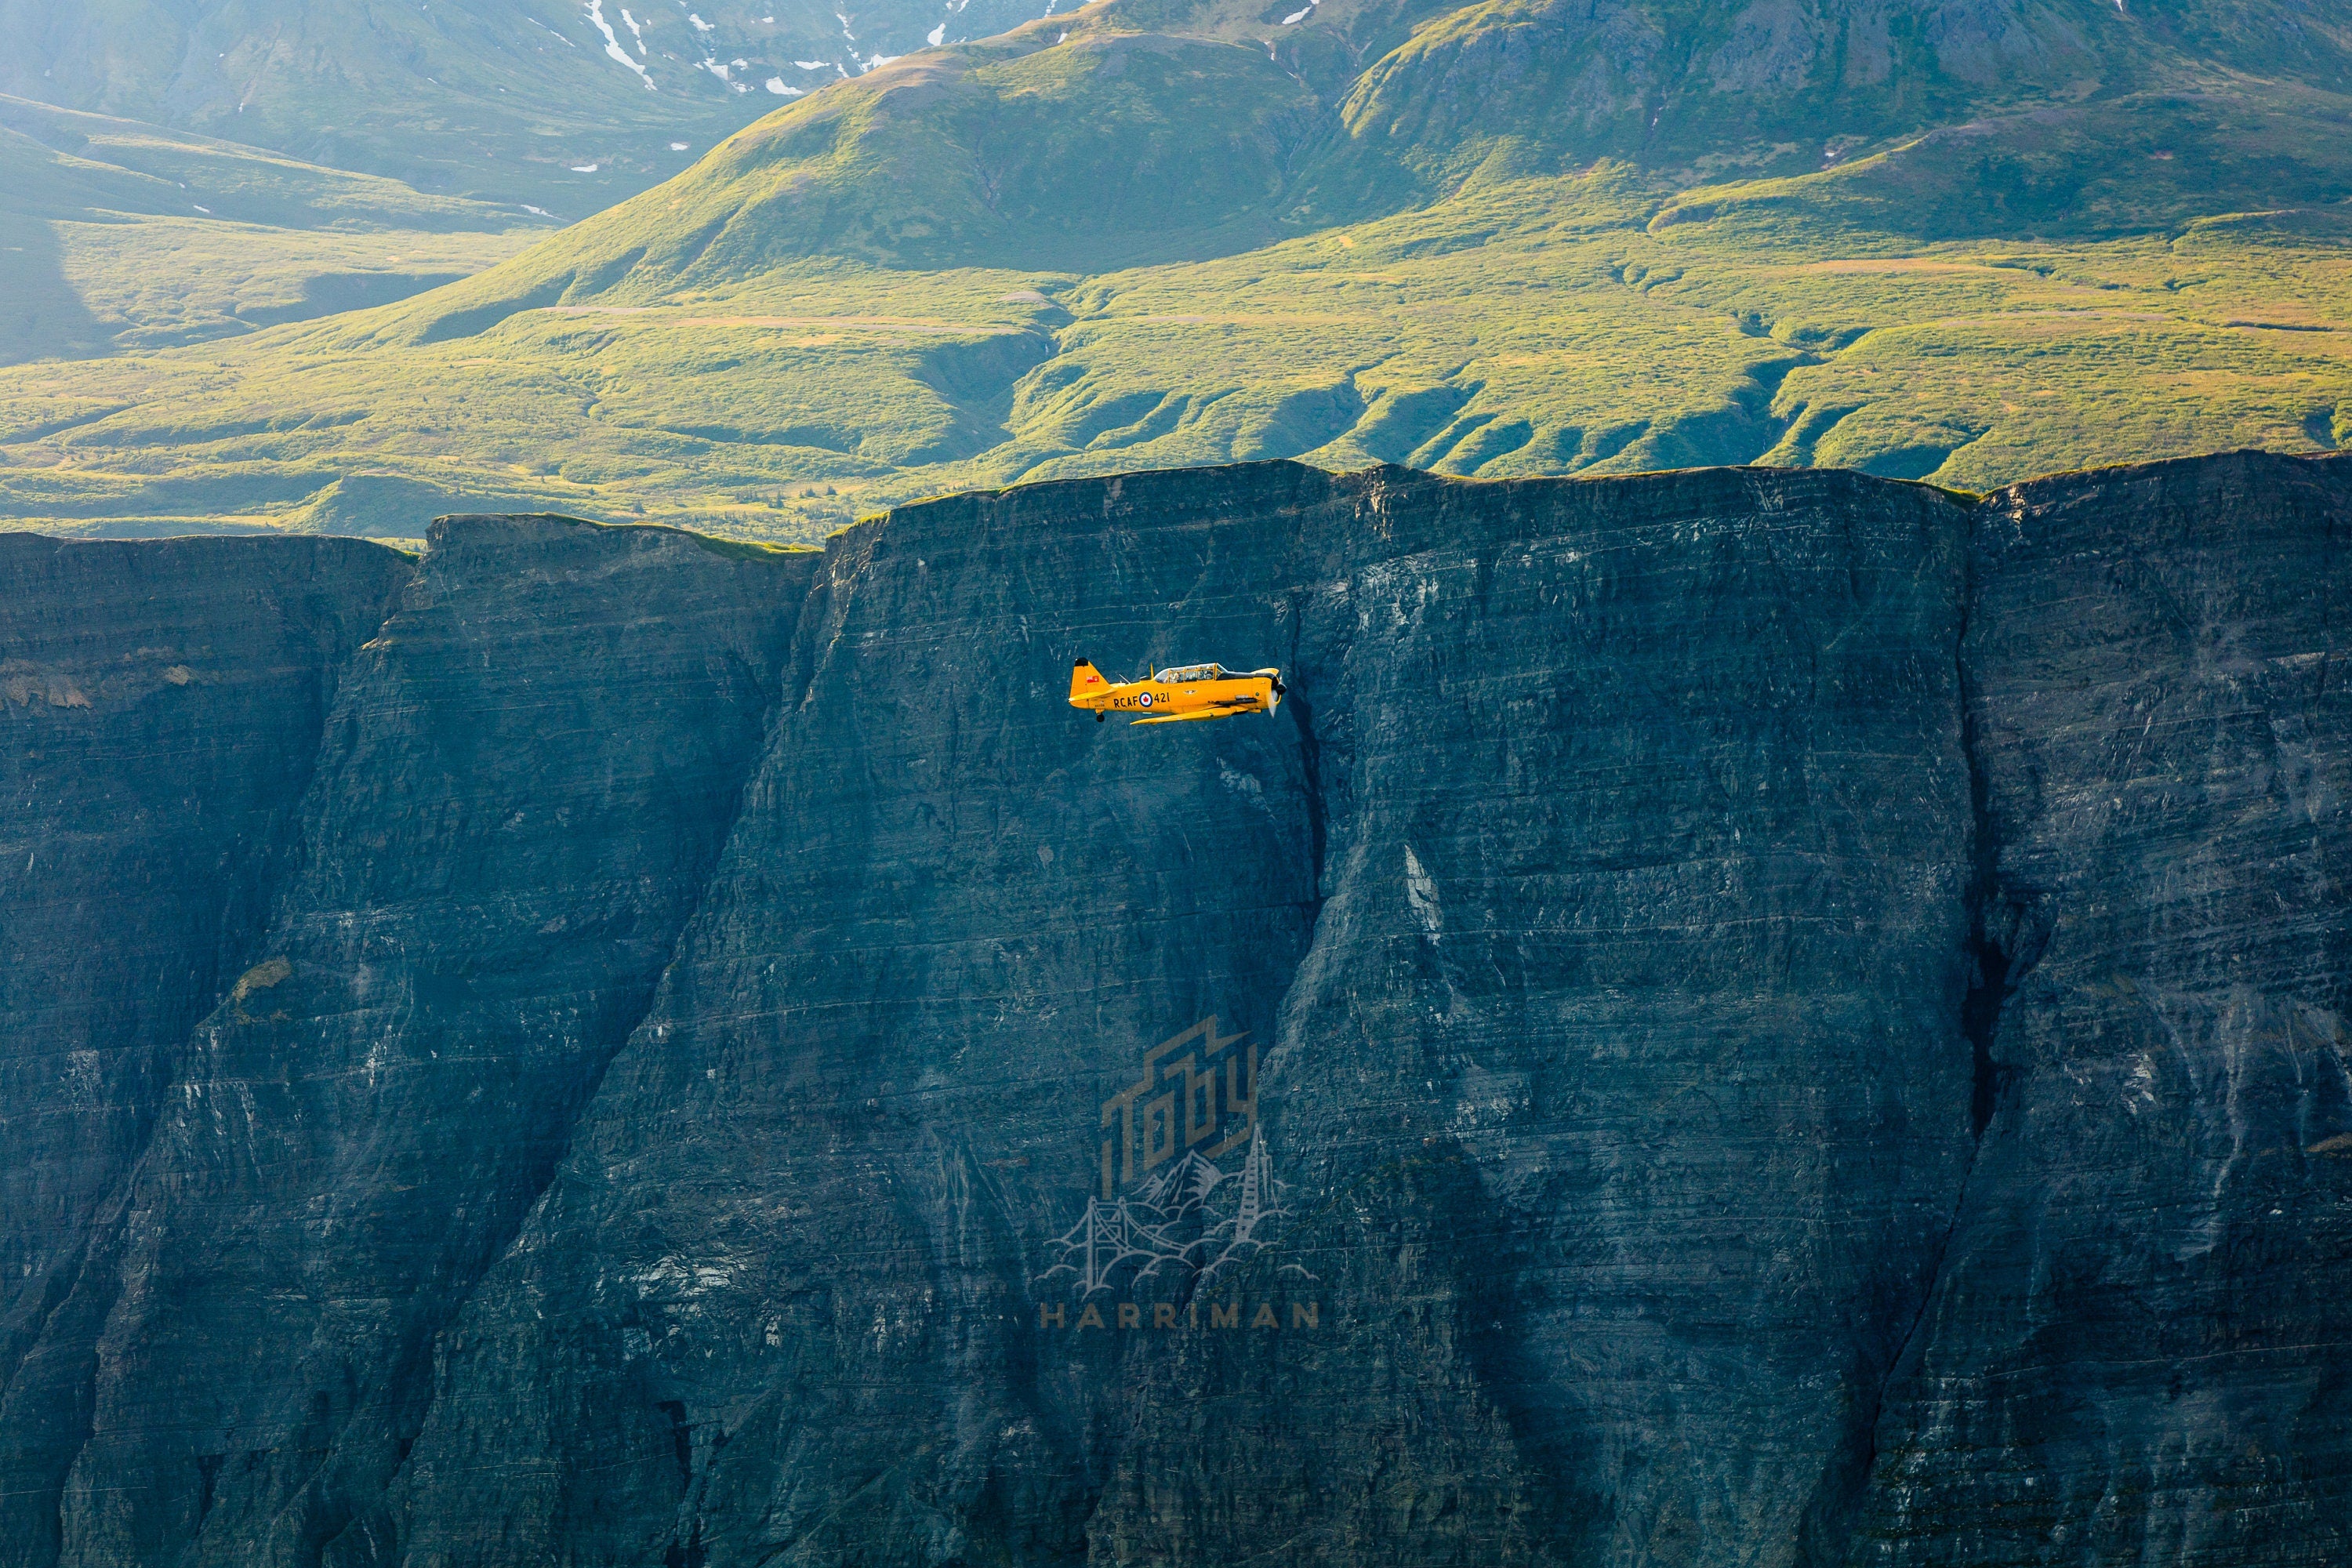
x=1784, y=1018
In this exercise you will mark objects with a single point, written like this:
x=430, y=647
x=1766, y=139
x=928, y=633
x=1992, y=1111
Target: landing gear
x=1099, y=715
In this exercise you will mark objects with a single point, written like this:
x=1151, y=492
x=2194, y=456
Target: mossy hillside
x=118, y=235
x=1106, y=150
x=2130, y=165
x=62, y=164
x=1535, y=327
x=1686, y=87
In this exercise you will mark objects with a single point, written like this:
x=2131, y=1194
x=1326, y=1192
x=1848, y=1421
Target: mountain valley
x=1969, y=243
x=116, y=236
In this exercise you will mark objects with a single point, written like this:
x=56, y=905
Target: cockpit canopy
x=1184, y=672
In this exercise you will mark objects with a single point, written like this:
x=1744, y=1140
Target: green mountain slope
x=1110, y=148
x=116, y=235
x=1667, y=82
x=1089, y=140
x=1985, y=241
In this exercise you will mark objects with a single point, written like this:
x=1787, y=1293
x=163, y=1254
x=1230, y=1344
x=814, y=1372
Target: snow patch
x=613, y=44
x=677, y=146
x=720, y=69
x=1297, y=17
x=583, y=168
x=541, y=211
x=533, y=21
x=202, y=208
x=882, y=61
x=699, y=24
x=635, y=31
x=937, y=34
x=775, y=84
x=812, y=65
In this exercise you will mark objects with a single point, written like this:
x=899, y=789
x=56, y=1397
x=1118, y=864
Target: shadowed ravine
x=1783, y=1018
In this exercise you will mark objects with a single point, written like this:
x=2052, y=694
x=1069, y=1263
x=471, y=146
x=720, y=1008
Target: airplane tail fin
x=1085, y=681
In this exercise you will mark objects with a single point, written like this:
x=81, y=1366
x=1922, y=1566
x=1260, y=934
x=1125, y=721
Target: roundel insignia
x=1145, y=700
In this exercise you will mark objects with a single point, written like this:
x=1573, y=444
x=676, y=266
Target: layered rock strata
x=2135, y=1348
x=1730, y=1017
x=511, y=805
x=162, y=711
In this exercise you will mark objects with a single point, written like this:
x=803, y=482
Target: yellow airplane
x=1188, y=691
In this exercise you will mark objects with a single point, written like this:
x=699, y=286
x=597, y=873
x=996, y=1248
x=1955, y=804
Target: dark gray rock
x=161, y=709
x=1792, y=1019
x=526, y=776
x=2135, y=1351
x=1600, y=897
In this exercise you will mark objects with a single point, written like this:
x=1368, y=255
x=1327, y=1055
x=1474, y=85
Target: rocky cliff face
x=1730, y=1017
x=2133, y=1352
x=162, y=709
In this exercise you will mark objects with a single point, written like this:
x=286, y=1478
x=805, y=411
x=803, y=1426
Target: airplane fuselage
x=1185, y=692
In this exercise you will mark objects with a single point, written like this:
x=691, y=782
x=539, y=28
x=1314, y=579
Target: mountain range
x=562, y=104
x=1970, y=242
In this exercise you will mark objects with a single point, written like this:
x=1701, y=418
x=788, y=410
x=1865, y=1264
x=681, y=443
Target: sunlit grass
x=1523, y=328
